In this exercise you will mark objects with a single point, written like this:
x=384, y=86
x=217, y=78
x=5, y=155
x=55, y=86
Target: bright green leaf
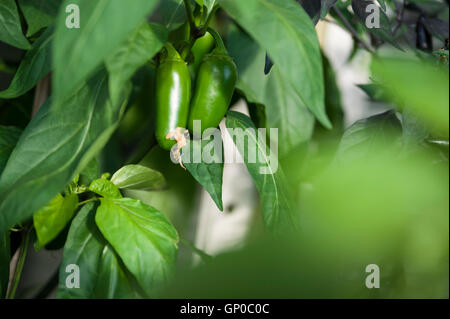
x=102, y=274
x=138, y=177
x=10, y=26
x=144, y=239
x=51, y=219
x=39, y=13
x=105, y=188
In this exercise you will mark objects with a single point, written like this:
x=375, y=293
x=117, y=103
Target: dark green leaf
x=57, y=144
x=142, y=44
x=279, y=214
x=89, y=173
x=205, y=163
x=10, y=27
x=4, y=263
x=144, y=239
x=9, y=135
x=138, y=177
x=285, y=110
x=34, y=66
x=173, y=13
x=326, y=5
x=104, y=25
x=105, y=188
x=102, y=274
x=285, y=31
x=39, y=13
x=384, y=31
x=51, y=219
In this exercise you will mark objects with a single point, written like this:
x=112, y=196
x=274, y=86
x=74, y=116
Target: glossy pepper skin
x=173, y=93
x=215, y=83
x=202, y=46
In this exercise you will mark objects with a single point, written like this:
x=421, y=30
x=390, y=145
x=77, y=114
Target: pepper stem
x=219, y=42
x=172, y=53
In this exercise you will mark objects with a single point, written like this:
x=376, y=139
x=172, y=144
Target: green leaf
x=57, y=144
x=205, y=164
x=10, y=27
x=105, y=188
x=141, y=45
x=34, y=66
x=39, y=13
x=326, y=5
x=286, y=32
x=285, y=110
x=382, y=4
x=9, y=135
x=104, y=25
x=89, y=173
x=51, y=219
x=279, y=214
x=102, y=274
x=209, y=4
x=173, y=13
x=418, y=86
x=4, y=263
x=144, y=239
x=363, y=138
x=138, y=177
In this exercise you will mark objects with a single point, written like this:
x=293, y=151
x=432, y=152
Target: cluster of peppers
x=215, y=80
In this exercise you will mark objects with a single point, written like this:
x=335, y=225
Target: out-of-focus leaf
x=279, y=214
x=101, y=272
x=362, y=139
x=10, y=27
x=9, y=135
x=89, y=173
x=105, y=188
x=142, y=44
x=79, y=51
x=51, y=219
x=34, y=66
x=326, y=5
x=284, y=30
x=205, y=163
x=39, y=13
x=173, y=13
x=138, y=177
x=57, y=144
x=144, y=239
x=417, y=86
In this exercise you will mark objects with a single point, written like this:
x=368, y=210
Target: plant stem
x=209, y=19
x=218, y=40
x=190, y=15
x=351, y=29
x=204, y=256
x=23, y=249
x=87, y=201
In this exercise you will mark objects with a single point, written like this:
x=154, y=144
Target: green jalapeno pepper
x=173, y=92
x=215, y=83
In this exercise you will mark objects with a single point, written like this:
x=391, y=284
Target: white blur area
x=221, y=231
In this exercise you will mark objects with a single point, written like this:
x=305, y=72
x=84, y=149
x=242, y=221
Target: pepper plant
x=106, y=91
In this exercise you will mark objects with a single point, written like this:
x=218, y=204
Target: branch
x=352, y=30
